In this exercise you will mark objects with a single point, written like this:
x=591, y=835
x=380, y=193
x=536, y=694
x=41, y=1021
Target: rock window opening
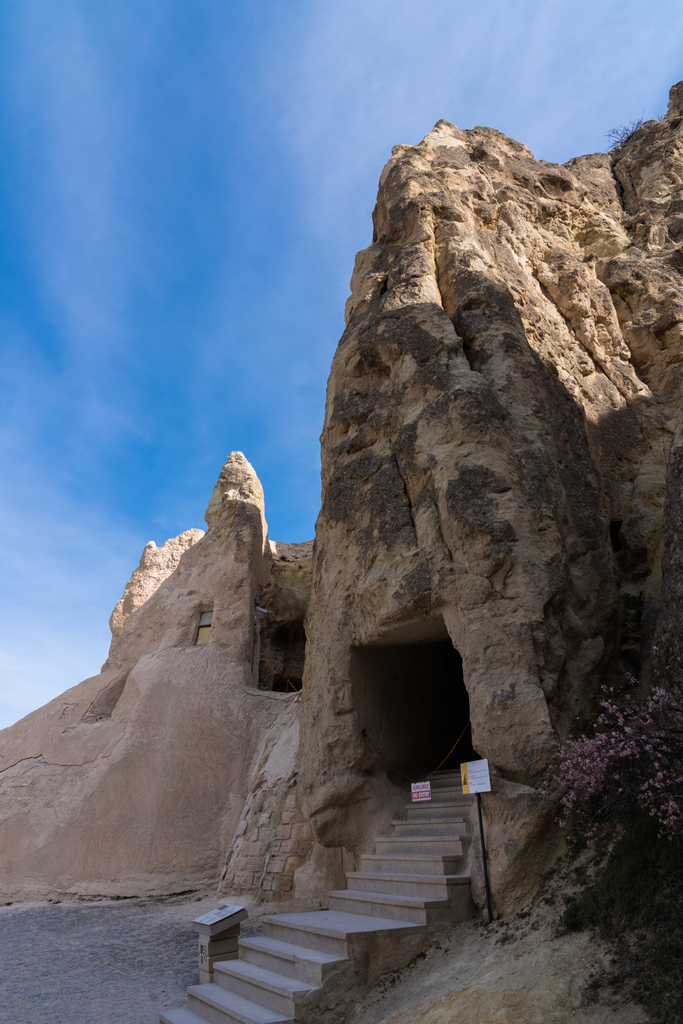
x=413, y=705
x=204, y=629
x=282, y=656
x=287, y=685
x=614, y=531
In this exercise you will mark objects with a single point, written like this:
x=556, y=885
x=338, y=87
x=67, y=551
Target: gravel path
x=118, y=961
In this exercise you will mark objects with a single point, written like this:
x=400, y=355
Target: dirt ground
x=100, y=961
x=121, y=961
x=520, y=971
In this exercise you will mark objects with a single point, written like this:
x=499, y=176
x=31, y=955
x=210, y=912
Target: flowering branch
x=633, y=762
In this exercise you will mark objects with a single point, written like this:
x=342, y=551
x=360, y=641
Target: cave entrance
x=282, y=657
x=412, y=705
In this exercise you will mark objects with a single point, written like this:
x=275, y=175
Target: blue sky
x=183, y=188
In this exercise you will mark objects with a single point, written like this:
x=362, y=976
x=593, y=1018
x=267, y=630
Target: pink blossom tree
x=633, y=762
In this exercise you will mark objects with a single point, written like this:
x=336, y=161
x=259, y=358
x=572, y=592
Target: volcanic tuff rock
x=497, y=539
x=156, y=565
x=133, y=781
x=498, y=418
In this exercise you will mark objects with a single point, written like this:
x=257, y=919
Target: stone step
x=423, y=864
x=439, y=887
x=307, y=964
x=180, y=1016
x=416, y=909
x=276, y=991
x=330, y=931
x=215, y=1004
x=427, y=844
x=450, y=781
x=443, y=826
x=456, y=805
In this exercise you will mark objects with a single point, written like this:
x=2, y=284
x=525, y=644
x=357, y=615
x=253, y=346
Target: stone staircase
x=404, y=896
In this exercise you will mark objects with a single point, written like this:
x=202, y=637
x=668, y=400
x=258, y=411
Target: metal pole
x=483, y=860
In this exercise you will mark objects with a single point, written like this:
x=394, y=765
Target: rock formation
x=156, y=565
x=497, y=540
x=134, y=781
x=498, y=418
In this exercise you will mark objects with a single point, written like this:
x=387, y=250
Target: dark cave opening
x=614, y=531
x=282, y=657
x=287, y=684
x=412, y=706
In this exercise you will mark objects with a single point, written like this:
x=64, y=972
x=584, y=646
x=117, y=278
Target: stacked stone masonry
x=269, y=854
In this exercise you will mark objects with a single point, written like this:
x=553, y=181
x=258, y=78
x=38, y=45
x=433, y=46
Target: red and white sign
x=421, y=791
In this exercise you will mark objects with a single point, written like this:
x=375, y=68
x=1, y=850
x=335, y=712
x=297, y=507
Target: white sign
x=475, y=777
x=219, y=920
x=214, y=916
x=421, y=791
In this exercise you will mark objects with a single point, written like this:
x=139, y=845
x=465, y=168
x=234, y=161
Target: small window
x=204, y=629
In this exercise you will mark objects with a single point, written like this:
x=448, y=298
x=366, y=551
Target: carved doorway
x=412, y=705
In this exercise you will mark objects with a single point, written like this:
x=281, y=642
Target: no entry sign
x=421, y=791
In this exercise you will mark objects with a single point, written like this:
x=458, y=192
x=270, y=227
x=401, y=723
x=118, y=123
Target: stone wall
x=274, y=857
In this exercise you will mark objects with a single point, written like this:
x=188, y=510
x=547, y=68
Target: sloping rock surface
x=133, y=781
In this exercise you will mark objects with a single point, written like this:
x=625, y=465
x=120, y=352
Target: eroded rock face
x=493, y=468
x=156, y=565
x=134, y=781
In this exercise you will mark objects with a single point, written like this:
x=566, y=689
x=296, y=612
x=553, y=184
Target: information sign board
x=421, y=791
x=475, y=777
x=219, y=920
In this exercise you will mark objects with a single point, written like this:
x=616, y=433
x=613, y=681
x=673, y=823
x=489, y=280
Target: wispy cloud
x=362, y=77
x=74, y=137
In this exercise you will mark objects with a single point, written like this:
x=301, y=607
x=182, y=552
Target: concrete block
x=214, y=947
x=207, y=965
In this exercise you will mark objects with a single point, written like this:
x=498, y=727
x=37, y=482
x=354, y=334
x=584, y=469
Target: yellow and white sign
x=475, y=776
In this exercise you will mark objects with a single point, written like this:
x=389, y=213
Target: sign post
x=219, y=932
x=476, y=779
